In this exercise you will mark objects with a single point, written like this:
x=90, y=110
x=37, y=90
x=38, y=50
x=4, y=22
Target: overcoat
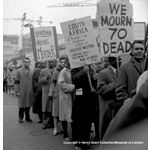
x=65, y=98
x=54, y=92
x=128, y=75
x=106, y=91
x=45, y=79
x=24, y=79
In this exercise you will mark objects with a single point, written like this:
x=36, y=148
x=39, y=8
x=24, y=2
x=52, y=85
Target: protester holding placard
x=45, y=79
x=85, y=100
x=65, y=97
x=54, y=94
x=106, y=90
x=129, y=73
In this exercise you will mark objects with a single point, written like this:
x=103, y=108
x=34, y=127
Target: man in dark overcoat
x=85, y=101
x=37, y=90
x=106, y=83
x=129, y=73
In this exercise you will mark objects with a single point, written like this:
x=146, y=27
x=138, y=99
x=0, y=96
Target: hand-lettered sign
x=44, y=43
x=80, y=41
x=116, y=27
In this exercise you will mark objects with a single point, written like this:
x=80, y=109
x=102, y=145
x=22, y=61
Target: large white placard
x=45, y=43
x=116, y=27
x=80, y=42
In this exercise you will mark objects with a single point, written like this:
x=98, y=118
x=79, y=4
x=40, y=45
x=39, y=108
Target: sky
x=36, y=8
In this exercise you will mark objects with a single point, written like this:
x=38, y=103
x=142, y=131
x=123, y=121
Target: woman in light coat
x=54, y=94
x=65, y=98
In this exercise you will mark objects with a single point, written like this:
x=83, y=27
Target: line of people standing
x=79, y=96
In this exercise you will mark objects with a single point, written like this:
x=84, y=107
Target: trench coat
x=46, y=103
x=128, y=75
x=65, y=98
x=24, y=87
x=54, y=92
x=106, y=90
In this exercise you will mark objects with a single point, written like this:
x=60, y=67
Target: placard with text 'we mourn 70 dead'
x=115, y=27
x=80, y=42
x=44, y=43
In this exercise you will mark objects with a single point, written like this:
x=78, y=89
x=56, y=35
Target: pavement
x=27, y=136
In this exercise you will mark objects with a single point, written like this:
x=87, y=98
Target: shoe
x=41, y=121
x=55, y=132
x=67, y=139
x=44, y=126
x=20, y=121
x=29, y=120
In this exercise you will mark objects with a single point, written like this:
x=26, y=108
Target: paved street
x=27, y=136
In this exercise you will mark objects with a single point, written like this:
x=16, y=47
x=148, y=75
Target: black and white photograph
x=75, y=75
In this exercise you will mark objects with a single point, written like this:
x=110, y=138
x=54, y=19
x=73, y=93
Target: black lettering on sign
x=78, y=31
x=43, y=33
x=42, y=42
x=128, y=46
x=123, y=10
x=105, y=47
x=122, y=33
x=113, y=48
x=120, y=48
x=76, y=25
x=116, y=8
x=104, y=21
x=116, y=21
x=39, y=53
x=114, y=30
x=46, y=54
x=113, y=8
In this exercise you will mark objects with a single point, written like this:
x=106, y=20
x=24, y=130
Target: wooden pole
x=89, y=78
x=118, y=62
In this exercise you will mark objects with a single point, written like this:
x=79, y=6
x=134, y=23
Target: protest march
x=93, y=87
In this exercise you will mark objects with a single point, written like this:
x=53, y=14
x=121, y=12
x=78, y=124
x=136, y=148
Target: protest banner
x=80, y=42
x=115, y=27
x=139, y=30
x=44, y=43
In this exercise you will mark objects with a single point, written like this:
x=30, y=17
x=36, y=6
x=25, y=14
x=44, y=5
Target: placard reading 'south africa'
x=80, y=42
x=116, y=27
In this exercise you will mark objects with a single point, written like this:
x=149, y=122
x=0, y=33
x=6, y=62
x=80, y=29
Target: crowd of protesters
x=91, y=94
